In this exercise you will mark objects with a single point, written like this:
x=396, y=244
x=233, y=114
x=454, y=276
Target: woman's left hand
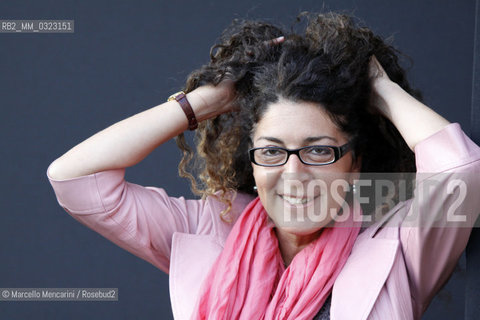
x=379, y=79
x=414, y=120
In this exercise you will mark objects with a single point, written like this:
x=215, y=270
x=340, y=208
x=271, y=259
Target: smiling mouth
x=295, y=200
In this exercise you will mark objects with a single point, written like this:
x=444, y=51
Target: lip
x=308, y=203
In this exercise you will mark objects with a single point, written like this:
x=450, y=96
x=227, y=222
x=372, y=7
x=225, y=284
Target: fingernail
x=278, y=40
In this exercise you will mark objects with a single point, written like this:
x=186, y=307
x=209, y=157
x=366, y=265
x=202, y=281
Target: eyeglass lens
x=313, y=155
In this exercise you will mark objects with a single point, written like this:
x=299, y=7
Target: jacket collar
x=366, y=270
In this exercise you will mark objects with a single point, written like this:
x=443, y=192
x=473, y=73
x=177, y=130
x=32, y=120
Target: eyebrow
x=306, y=140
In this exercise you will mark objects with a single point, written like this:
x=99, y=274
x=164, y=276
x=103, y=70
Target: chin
x=301, y=228
x=302, y=218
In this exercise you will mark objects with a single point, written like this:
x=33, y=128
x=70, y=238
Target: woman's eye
x=271, y=152
x=319, y=150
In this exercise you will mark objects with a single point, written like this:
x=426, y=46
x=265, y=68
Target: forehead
x=294, y=121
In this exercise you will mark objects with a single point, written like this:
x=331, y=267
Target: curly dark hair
x=327, y=63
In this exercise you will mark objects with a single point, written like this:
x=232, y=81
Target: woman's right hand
x=209, y=101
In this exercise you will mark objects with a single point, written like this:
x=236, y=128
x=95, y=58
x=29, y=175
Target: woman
x=295, y=119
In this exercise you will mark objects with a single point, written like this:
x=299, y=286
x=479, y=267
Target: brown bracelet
x=181, y=98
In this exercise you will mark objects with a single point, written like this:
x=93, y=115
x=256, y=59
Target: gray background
x=124, y=57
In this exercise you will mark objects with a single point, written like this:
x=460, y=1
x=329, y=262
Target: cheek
x=347, y=165
x=265, y=180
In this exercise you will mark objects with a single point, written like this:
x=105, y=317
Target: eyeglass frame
x=339, y=152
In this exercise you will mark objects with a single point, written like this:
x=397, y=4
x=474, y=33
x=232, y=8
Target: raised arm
x=129, y=141
x=414, y=120
x=89, y=179
x=448, y=166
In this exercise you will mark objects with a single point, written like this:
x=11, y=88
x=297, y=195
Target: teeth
x=295, y=200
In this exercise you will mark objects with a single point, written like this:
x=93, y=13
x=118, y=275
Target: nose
x=295, y=169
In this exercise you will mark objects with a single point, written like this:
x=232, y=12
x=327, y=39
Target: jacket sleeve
x=139, y=219
x=443, y=211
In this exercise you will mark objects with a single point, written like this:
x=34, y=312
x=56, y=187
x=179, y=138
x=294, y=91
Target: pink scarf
x=249, y=281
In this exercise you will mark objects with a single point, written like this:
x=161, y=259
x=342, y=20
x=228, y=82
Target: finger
x=271, y=42
x=275, y=41
x=376, y=69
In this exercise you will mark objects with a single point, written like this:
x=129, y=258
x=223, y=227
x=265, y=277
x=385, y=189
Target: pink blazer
x=396, y=266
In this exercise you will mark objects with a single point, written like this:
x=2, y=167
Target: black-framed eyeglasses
x=318, y=155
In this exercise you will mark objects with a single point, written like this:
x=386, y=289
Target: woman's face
x=301, y=199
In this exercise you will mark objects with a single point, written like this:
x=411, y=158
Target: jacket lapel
x=365, y=271
x=362, y=278
x=192, y=256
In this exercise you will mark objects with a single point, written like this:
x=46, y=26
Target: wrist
x=209, y=101
x=199, y=105
x=386, y=87
x=386, y=91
